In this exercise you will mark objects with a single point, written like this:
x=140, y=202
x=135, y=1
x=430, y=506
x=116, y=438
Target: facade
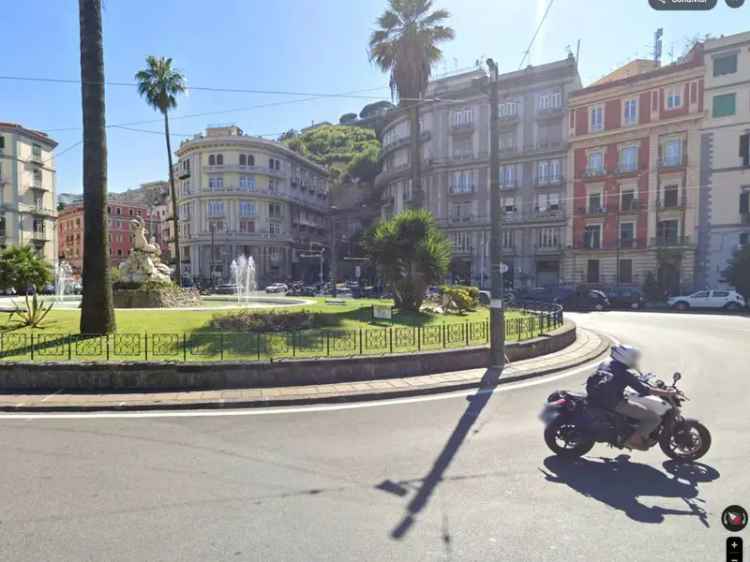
x=70, y=227
x=27, y=190
x=454, y=139
x=633, y=169
x=724, y=157
x=243, y=195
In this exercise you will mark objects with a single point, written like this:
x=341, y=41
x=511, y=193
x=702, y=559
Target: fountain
x=243, y=276
x=63, y=279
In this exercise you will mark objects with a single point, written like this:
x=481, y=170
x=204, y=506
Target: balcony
x=550, y=112
x=549, y=181
x=670, y=241
x=508, y=119
x=508, y=185
x=548, y=249
x=671, y=164
x=624, y=171
x=463, y=127
x=547, y=214
x=590, y=173
x=236, y=235
x=39, y=236
x=543, y=146
x=462, y=189
x=424, y=136
x=36, y=160
x=39, y=210
x=183, y=175
x=592, y=211
x=630, y=206
x=674, y=202
x=246, y=169
x=37, y=186
x=628, y=243
x=463, y=220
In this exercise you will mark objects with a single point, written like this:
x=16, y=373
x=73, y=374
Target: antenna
x=578, y=53
x=657, y=45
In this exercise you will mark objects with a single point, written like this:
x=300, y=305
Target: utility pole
x=213, y=254
x=333, y=266
x=497, y=314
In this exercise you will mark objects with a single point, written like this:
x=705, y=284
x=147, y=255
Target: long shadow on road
x=619, y=483
x=477, y=403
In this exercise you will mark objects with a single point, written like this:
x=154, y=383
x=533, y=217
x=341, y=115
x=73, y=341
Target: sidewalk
x=587, y=347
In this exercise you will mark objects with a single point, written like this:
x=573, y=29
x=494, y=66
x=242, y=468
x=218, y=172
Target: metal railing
x=267, y=346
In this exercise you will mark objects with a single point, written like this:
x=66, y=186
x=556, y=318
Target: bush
x=460, y=299
x=247, y=321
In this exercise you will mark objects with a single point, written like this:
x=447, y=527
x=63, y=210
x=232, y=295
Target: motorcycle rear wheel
x=560, y=437
x=688, y=442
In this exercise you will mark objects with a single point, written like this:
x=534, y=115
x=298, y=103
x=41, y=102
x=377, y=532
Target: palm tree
x=97, y=313
x=406, y=46
x=159, y=83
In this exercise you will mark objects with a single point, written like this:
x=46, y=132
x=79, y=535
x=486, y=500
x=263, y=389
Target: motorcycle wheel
x=689, y=441
x=566, y=440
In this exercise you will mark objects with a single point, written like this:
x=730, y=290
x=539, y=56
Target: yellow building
x=244, y=195
x=27, y=190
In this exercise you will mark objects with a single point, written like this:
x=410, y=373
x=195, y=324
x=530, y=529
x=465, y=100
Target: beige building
x=27, y=190
x=725, y=159
x=243, y=195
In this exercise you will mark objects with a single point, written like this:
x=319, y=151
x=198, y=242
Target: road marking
x=544, y=379
x=51, y=395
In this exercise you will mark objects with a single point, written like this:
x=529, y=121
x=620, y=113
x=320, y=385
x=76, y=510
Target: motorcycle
x=574, y=426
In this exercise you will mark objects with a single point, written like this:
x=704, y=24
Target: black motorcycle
x=574, y=426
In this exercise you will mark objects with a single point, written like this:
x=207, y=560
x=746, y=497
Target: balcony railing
x=550, y=111
x=463, y=220
x=546, y=214
x=465, y=126
x=544, y=181
x=37, y=185
x=512, y=184
x=626, y=170
x=592, y=210
x=36, y=159
x=678, y=202
x=670, y=241
x=553, y=248
x=462, y=189
x=594, y=172
x=630, y=206
x=671, y=163
x=183, y=175
x=543, y=146
x=508, y=118
x=39, y=236
x=246, y=169
x=245, y=235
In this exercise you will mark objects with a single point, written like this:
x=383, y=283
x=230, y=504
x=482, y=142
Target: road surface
x=454, y=478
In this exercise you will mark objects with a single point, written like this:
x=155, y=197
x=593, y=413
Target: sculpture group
x=144, y=262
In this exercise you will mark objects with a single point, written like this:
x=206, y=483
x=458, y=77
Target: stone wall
x=164, y=376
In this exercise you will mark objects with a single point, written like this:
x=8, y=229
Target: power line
x=538, y=29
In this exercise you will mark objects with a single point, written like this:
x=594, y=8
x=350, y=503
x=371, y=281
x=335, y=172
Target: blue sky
x=287, y=45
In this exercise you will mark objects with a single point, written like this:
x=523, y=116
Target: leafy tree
x=347, y=152
x=411, y=252
x=375, y=108
x=406, y=46
x=460, y=298
x=159, y=83
x=288, y=135
x=738, y=271
x=347, y=118
x=23, y=269
x=97, y=312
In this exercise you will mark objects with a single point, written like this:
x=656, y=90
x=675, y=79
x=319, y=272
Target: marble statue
x=144, y=262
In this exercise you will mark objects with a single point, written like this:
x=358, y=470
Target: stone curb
x=309, y=398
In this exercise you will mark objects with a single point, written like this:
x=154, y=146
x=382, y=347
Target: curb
x=306, y=400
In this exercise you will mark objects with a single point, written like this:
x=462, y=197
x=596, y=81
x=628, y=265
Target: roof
x=21, y=130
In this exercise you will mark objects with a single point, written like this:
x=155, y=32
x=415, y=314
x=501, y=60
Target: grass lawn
x=187, y=334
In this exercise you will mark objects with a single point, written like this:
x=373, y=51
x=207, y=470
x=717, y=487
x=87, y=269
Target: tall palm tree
x=97, y=313
x=159, y=83
x=406, y=45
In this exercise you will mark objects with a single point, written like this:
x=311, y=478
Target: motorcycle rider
x=606, y=386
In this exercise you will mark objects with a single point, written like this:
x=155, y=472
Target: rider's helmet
x=626, y=354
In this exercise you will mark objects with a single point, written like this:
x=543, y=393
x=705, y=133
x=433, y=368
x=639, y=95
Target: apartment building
x=633, y=169
x=724, y=158
x=70, y=226
x=27, y=189
x=454, y=145
x=243, y=195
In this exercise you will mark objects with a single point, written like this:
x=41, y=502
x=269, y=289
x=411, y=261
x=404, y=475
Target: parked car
x=226, y=289
x=729, y=300
x=277, y=288
x=570, y=299
x=624, y=297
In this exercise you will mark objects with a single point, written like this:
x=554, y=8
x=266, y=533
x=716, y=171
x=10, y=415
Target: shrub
x=247, y=321
x=460, y=299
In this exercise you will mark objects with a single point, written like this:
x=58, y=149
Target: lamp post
x=334, y=257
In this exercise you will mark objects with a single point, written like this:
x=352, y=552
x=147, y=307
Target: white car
x=729, y=300
x=277, y=288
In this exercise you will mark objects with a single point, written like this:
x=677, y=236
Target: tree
x=159, y=84
x=411, y=253
x=97, y=312
x=347, y=152
x=347, y=118
x=23, y=269
x=406, y=46
x=738, y=271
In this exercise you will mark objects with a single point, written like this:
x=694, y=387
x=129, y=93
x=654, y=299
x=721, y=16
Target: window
x=724, y=105
x=215, y=208
x=745, y=203
x=628, y=159
x=462, y=118
x=219, y=159
x=547, y=202
x=548, y=238
x=744, y=238
x=274, y=210
x=627, y=233
x=243, y=160
x=542, y=172
x=508, y=109
x=250, y=160
x=247, y=226
x=274, y=228
x=674, y=97
x=216, y=226
x=461, y=241
x=627, y=199
x=508, y=239
x=671, y=196
x=625, y=273
x=597, y=118
x=211, y=160
x=247, y=209
x=463, y=148
x=592, y=271
x=672, y=152
x=215, y=183
x=592, y=236
x=274, y=164
x=507, y=141
x=722, y=294
x=549, y=100
x=36, y=151
x=700, y=295
x=594, y=202
x=273, y=185
x=595, y=165
x=630, y=112
x=508, y=175
x=247, y=183
x=509, y=204
x=555, y=166
x=667, y=231
x=463, y=182
x=725, y=64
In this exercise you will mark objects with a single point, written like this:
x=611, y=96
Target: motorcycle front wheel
x=689, y=441
x=567, y=440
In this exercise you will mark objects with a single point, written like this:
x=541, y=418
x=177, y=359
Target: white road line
x=299, y=409
x=51, y=395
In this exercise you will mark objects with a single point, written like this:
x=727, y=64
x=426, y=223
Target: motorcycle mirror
x=676, y=377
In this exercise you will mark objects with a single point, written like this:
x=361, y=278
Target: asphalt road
x=446, y=479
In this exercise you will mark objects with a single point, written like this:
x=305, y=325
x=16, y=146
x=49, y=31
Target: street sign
x=382, y=312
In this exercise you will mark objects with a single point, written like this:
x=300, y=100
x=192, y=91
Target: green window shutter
x=725, y=65
x=724, y=105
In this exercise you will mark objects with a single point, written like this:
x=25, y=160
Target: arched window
x=219, y=159
x=211, y=160
x=243, y=159
x=250, y=160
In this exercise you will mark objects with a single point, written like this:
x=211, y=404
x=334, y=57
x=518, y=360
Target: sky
x=291, y=46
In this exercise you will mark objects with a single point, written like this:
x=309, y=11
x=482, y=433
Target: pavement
x=588, y=346
x=457, y=476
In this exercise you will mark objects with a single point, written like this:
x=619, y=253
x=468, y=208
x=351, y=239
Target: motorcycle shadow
x=619, y=483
